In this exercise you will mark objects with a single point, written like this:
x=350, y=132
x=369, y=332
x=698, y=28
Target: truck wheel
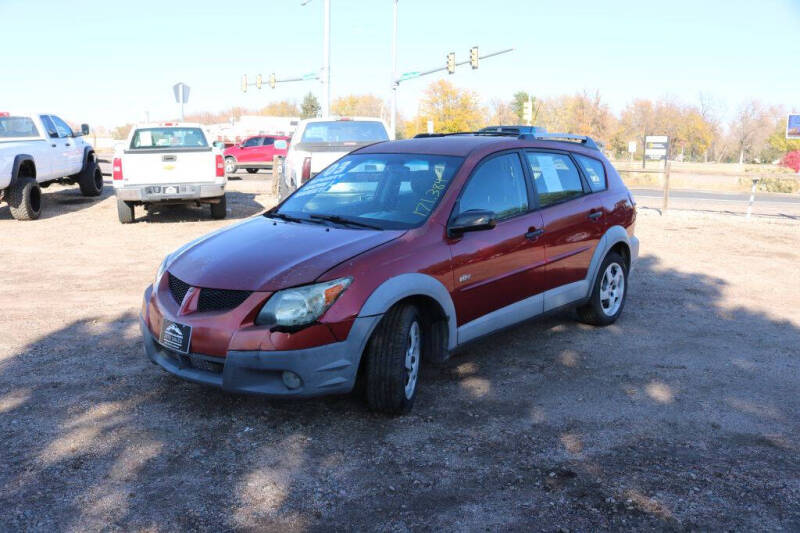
x=393, y=360
x=230, y=165
x=25, y=199
x=90, y=179
x=219, y=210
x=252, y=170
x=125, y=211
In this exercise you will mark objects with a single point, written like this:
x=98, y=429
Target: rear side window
x=255, y=141
x=149, y=138
x=498, y=186
x=268, y=141
x=594, y=171
x=344, y=131
x=555, y=177
x=17, y=127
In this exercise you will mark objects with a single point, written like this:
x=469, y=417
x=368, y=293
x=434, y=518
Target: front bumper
x=328, y=369
x=169, y=191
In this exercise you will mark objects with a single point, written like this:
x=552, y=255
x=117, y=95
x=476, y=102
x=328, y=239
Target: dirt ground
x=684, y=415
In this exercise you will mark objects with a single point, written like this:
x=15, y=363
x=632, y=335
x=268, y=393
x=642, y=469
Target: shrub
x=792, y=160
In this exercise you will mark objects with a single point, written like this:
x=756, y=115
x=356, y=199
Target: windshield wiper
x=342, y=220
x=289, y=218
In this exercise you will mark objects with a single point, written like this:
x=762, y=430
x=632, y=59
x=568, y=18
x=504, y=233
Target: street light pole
x=326, y=58
x=394, y=71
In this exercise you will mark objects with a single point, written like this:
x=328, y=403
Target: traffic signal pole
x=395, y=83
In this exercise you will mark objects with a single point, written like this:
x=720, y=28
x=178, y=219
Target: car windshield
x=168, y=138
x=341, y=131
x=389, y=191
x=17, y=127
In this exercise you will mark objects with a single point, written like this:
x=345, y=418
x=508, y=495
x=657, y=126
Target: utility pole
x=326, y=60
x=393, y=126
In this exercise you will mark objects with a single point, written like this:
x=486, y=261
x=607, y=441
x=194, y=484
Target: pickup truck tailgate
x=181, y=165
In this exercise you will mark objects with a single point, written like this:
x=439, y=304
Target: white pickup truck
x=39, y=149
x=318, y=142
x=168, y=163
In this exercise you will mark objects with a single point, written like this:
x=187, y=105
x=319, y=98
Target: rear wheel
x=25, y=199
x=608, y=294
x=125, y=212
x=219, y=210
x=252, y=170
x=90, y=179
x=394, y=355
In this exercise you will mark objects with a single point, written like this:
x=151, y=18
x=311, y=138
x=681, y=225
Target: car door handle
x=69, y=144
x=53, y=145
x=534, y=233
x=594, y=215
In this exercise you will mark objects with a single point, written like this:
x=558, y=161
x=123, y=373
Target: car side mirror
x=472, y=220
x=219, y=144
x=84, y=129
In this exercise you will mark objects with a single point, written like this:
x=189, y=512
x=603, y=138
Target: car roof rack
x=585, y=140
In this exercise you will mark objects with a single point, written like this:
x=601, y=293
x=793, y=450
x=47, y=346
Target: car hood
x=264, y=254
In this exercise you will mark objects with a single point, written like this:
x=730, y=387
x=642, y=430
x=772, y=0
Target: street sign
x=430, y=126
x=181, y=96
x=632, y=147
x=655, y=147
x=793, y=127
x=409, y=75
x=310, y=76
x=527, y=111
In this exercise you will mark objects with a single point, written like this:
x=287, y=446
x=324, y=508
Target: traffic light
x=244, y=83
x=451, y=63
x=473, y=57
x=258, y=82
x=272, y=81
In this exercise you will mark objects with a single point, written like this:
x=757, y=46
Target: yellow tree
x=451, y=109
x=362, y=105
x=283, y=108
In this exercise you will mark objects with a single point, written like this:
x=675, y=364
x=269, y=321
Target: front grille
x=220, y=299
x=178, y=288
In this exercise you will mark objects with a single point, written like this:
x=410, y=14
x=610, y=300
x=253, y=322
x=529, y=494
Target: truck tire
x=90, y=179
x=25, y=198
x=219, y=210
x=252, y=170
x=125, y=211
x=393, y=359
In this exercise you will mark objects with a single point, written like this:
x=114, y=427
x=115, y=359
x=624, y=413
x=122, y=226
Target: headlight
x=301, y=305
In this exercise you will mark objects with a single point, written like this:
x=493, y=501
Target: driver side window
x=255, y=141
x=49, y=126
x=497, y=186
x=61, y=127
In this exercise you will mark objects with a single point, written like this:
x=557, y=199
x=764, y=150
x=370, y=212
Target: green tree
x=310, y=106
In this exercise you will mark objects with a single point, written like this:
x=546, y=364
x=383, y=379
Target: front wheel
x=90, y=179
x=608, y=294
x=394, y=354
x=230, y=165
x=219, y=210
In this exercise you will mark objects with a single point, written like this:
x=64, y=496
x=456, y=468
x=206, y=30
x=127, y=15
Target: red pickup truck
x=255, y=153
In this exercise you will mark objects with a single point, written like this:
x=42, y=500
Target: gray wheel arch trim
x=612, y=236
x=403, y=286
x=18, y=160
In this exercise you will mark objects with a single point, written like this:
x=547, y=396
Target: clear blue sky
x=106, y=62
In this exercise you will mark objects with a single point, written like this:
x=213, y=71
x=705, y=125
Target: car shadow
x=240, y=205
x=551, y=424
x=59, y=200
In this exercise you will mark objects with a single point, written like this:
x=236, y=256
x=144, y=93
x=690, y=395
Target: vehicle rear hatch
x=187, y=158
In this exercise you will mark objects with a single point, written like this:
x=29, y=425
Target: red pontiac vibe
x=399, y=252
x=255, y=152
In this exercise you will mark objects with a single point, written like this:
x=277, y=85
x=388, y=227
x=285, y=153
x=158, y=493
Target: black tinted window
x=555, y=177
x=61, y=127
x=498, y=186
x=268, y=141
x=594, y=172
x=255, y=141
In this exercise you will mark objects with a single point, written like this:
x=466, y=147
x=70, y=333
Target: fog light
x=291, y=380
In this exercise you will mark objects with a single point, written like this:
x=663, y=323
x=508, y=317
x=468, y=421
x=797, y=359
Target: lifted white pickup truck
x=168, y=163
x=37, y=150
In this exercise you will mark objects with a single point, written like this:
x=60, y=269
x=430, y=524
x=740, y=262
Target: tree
x=751, y=129
x=121, y=132
x=451, y=109
x=310, y=107
x=363, y=105
x=284, y=108
x=502, y=113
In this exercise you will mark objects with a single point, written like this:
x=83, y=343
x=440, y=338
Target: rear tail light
x=220, y=167
x=117, y=168
x=306, y=175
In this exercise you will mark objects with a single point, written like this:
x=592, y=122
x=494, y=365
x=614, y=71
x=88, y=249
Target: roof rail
x=569, y=137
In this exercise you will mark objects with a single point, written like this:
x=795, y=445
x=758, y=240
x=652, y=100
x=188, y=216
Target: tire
x=394, y=355
x=252, y=170
x=125, y=212
x=25, y=198
x=90, y=179
x=220, y=209
x=230, y=165
x=608, y=294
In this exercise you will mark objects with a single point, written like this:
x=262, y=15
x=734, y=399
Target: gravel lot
x=684, y=415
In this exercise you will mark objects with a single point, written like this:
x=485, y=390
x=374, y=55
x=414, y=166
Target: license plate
x=175, y=336
x=170, y=190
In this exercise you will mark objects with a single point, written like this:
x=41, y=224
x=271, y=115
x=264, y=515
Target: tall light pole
x=325, y=71
x=393, y=127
